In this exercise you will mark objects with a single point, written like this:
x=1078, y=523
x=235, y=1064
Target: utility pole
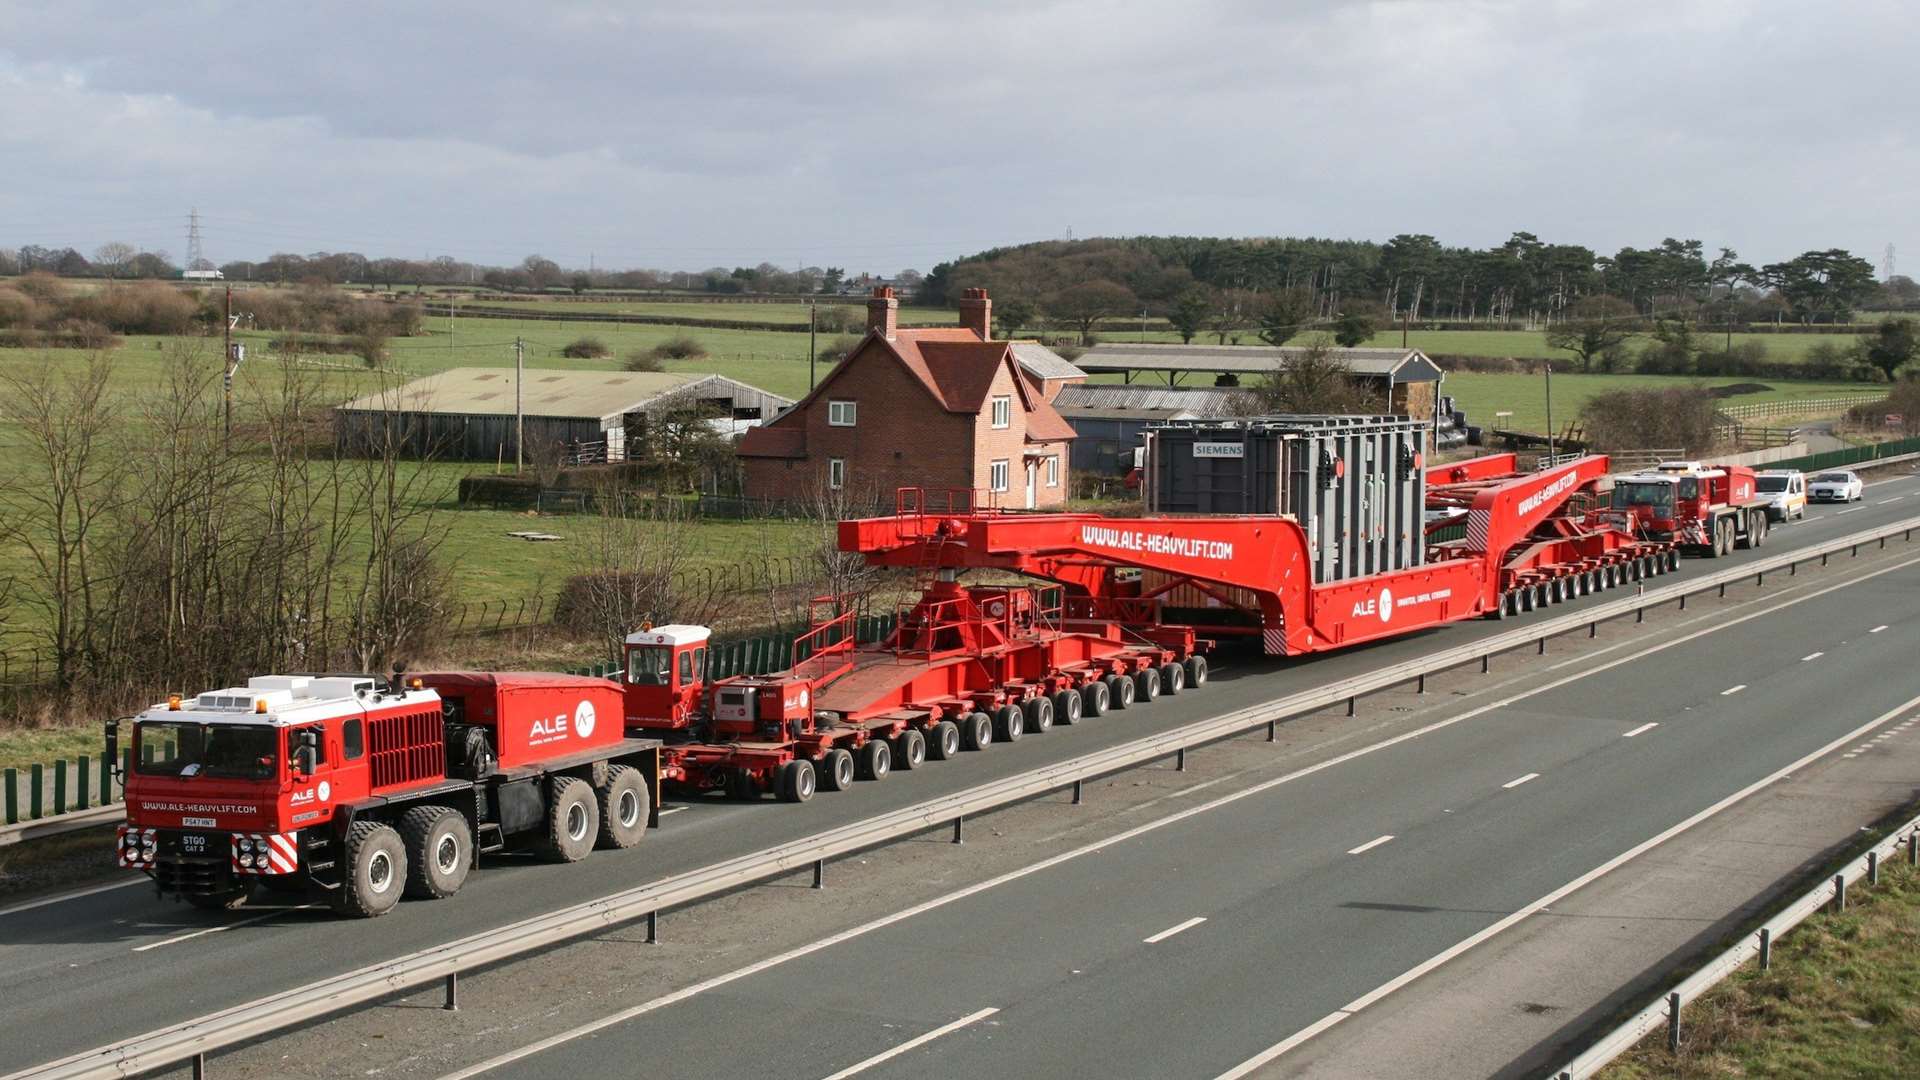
x=812, y=307
x=1549, y=371
x=449, y=322
x=519, y=418
x=227, y=321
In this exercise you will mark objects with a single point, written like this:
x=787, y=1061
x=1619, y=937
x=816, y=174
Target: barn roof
x=562, y=393
x=1404, y=365
x=1118, y=401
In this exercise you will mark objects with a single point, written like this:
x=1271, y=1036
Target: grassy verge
x=1842, y=1000
x=21, y=747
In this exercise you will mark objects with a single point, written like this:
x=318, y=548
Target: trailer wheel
x=1068, y=708
x=1009, y=723
x=876, y=760
x=797, y=780
x=573, y=820
x=909, y=750
x=1146, y=684
x=376, y=871
x=624, y=807
x=836, y=770
x=1120, y=691
x=1173, y=678
x=439, y=851
x=946, y=740
x=1039, y=710
x=1196, y=671
x=976, y=731
x=1094, y=698
x=739, y=785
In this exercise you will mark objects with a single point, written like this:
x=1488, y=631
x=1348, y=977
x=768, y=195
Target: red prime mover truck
x=363, y=791
x=1709, y=509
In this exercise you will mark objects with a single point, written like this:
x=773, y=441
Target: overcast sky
x=881, y=137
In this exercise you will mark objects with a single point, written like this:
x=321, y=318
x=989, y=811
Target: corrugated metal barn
x=468, y=413
x=1409, y=381
x=1110, y=417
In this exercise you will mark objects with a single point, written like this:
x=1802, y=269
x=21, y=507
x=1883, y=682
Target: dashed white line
x=1641, y=730
x=1517, y=781
x=1855, y=510
x=61, y=898
x=1732, y=690
x=223, y=926
x=671, y=810
x=1877, y=629
x=1812, y=656
x=910, y=1044
x=1370, y=845
x=1884, y=502
x=1172, y=930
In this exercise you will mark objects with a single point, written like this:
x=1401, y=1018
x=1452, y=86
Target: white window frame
x=1003, y=412
x=999, y=475
x=1053, y=470
x=836, y=473
x=842, y=413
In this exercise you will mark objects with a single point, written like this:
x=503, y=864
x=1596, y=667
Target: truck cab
x=664, y=675
x=1709, y=508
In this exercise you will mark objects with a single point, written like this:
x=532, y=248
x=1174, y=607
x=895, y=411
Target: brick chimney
x=883, y=312
x=976, y=312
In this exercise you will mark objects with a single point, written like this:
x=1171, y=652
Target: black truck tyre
x=1094, y=698
x=1197, y=668
x=945, y=741
x=1173, y=678
x=375, y=872
x=1147, y=684
x=439, y=851
x=1009, y=723
x=876, y=760
x=625, y=805
x=573, y=820
x=1039, y=710
x=1068, y=707
x=976, y=731
x=1121, y=691
x=797, y=780
x=836, y=770
x=909, y=750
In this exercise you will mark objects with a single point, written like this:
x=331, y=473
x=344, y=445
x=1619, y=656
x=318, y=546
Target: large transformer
x=1355, y=484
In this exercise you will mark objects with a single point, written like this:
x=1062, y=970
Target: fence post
x=81, y=787
x=1673, y=1022
x=1913, y=846
x=13, y=795
x=1839, y=892
x=60, y=785
x=1766, y=949
x=34, y=778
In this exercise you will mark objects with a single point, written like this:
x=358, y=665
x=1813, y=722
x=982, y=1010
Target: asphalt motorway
x=1196, y=946
x=85, y=970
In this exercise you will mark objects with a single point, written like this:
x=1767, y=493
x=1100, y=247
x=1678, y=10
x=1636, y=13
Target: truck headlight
x=245, y=845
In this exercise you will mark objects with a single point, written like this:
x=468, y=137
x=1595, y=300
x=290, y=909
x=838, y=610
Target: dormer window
x=1002, y=412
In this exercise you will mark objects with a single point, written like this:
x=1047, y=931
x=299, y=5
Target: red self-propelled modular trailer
x=362, y=791
x=963, y=668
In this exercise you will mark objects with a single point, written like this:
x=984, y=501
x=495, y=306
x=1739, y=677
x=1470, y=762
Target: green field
x=1497, y=343
x=1481, y=395
x=781, y=312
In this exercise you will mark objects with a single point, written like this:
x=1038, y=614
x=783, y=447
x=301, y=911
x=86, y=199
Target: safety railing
x=443, y=964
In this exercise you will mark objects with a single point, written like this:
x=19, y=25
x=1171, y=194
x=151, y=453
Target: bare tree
x=633, y=563
x=1311, y=381
x=1085, y=304
x=115, y=258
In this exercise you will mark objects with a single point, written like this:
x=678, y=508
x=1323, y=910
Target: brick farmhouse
x=946, y=408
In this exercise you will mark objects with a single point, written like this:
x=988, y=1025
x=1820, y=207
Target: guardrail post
x=199, y=1067
x=1913, y=848
x=1793, y=569
x=1766, y=949
x=1420, y=683
x=1873, y=868
x=1683, y=601
x=1760, y=578
x=653, y=928
x=958, y=823
x=1856, y=551
x=819, y=873
x=1076, y=792
x=1839, y=892
x=453, y=992
x=1486, y=664
x=1271, y=730
x=1180, y=760
x=1723, y=590
x=1543, y=646
x=1823, y=558
x=1883, y=543
x=1673, y=1022
x=1593, y=629
x=1639, y=614
x=1353, y=705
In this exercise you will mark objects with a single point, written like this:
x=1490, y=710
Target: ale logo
x=1386, y=604
x=583, y=719
x=326, y=791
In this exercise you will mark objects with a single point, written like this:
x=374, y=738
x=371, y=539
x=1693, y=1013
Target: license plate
x=199, y=822
x=193, y=845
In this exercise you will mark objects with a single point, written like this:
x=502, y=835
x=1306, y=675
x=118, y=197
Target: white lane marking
x=1516, y=782
x=1877, y=629
x=1370, y=997
x=1812, y=656
x=1370, y=845
x=1855, y=510
x=1172, y=930
x=1641, y=730
x=1732, y=690
x=671, y=810
x=1142, y=829
x=1884, y=502
x=263, y=916
x=1854, y=754
x=911, y=1044
x=61, y=898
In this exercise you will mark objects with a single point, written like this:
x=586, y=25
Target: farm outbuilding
x=1408, y=379
x=468, y=413
x=1110, y=417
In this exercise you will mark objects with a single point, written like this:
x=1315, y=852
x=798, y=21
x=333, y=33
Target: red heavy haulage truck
x=365, y=790
x=1707, y=509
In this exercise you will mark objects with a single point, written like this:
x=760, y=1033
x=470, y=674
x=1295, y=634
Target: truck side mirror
x=307, y=758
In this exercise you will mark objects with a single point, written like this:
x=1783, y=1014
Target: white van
x=1785, y=491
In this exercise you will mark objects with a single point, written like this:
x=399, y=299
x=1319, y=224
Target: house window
x=836, y=473
x=997, y=474
x=1002, y=412
x=841, y=413
x=1053, y=471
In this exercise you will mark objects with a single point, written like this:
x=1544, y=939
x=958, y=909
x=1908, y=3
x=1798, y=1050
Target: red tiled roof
x=962, y=372
x=773, y=442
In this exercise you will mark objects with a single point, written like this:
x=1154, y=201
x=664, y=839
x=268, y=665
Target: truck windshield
x=1774, y=484
x=650, y=665
x=235, y=751
x=1657, y=496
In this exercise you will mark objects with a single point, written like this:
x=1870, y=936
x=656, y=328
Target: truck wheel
x=1196, y=671
x=1765, y=526
x=1009, y=723
x=1146, y=684
x=739, y=786
x=945, y=743
x=625, y=805
x=1120, y=691
x=376, y=871
x=232, y=899
x=909, y=750
x=1173, y=677
x=1039, y=714
x=797, y=780
x=439, y=851
x=976, y=731
x=573, y=819
x=876, y=760
x=836, y=770
x=1067, y=707
x=1094, y=698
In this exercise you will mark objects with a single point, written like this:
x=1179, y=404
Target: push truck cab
x=361, y=792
